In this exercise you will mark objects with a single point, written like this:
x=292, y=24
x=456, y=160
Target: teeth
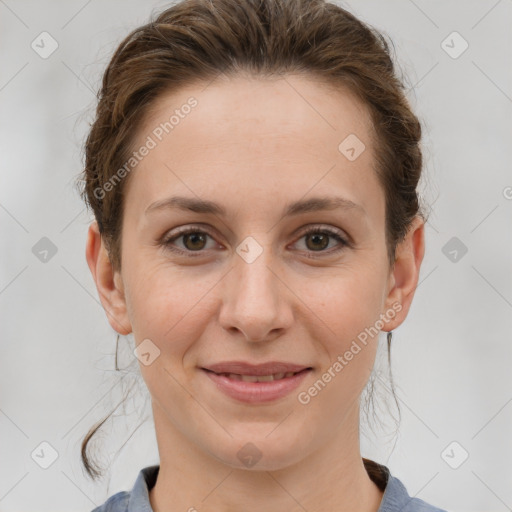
x=258, y=378
x=253, y=378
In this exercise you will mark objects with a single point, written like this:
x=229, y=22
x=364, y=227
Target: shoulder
x=396, y=498
x=116, y=503
x=136, y=500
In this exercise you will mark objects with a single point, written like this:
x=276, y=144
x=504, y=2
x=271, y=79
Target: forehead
x=248, y=138
x=240, y=107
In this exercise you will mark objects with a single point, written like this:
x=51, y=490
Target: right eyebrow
x=197, y=205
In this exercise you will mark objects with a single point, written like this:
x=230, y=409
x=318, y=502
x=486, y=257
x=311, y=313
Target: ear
x=109, y=284
x=403, y=279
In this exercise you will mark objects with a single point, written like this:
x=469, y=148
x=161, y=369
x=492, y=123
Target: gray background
x=451, y=358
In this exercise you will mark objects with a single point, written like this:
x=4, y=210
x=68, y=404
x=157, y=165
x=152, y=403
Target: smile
x=258, y=378
x=257, y=388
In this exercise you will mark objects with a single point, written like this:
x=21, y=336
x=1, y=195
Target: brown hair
x=195, y=40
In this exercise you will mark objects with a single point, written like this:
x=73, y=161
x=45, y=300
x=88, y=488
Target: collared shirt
x=395, y=498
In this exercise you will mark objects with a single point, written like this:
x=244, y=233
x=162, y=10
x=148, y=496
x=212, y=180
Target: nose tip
x=255, y=332
x=252, y=303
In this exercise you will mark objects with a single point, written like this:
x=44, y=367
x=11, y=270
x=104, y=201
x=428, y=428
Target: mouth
x=258, y=378
x=257, y=384
x=251, y=369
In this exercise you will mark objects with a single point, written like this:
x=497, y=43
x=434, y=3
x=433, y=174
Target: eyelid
x=321, y=227
x=343, y=238
x=166, y=239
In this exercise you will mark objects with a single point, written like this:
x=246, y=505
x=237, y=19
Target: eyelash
x=166, y=242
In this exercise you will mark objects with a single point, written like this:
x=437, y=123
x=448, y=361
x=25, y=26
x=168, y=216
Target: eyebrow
x=302, y=206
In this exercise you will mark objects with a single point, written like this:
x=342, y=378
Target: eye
x=317, y=239
x=194, y=240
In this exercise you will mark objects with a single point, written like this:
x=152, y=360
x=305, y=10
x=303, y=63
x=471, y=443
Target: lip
x=257, y=392
x=244, y=368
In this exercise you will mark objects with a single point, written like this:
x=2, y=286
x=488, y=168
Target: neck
x=329, y=479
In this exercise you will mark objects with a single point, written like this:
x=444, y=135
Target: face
x=250, y=281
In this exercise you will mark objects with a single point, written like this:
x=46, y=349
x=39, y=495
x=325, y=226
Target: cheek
x=350, y=340
x=169, y=307
x=356, y=313
x=346, y=306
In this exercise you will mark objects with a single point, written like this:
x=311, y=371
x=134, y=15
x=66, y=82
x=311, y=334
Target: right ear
x=108, y=283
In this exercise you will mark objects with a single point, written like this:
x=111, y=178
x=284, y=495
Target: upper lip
x=243, y=368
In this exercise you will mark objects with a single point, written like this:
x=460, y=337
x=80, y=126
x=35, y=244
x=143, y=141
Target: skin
x=253, y=146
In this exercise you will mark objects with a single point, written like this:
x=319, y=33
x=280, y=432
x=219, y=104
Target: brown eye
x=194, y=241
x=318, y=241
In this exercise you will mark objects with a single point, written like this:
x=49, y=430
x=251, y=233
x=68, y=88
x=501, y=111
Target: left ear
x=403, y=279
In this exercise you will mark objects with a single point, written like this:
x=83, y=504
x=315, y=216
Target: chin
x=260, y=453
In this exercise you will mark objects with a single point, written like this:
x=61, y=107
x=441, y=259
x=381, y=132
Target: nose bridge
x=252, y=303
x=256, y=280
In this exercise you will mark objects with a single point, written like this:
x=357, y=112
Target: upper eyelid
x=344, y=236
x=304, y=229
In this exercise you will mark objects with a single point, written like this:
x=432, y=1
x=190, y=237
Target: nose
x=256, y=300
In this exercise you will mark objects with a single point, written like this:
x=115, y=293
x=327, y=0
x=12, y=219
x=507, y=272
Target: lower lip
x=257, y=392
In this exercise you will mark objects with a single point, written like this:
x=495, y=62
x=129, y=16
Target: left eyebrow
x=322, y=203
x=302, y=206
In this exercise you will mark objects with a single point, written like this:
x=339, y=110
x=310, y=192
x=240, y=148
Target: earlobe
x=108, y=283
x=405, y=275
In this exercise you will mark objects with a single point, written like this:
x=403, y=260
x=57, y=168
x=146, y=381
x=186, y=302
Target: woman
x=252, y=170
